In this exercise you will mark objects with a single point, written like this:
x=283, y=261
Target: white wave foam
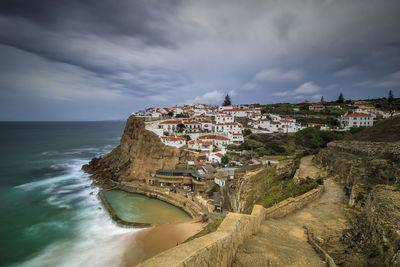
x=98, y=240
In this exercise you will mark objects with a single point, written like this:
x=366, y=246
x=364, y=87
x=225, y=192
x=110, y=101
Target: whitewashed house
x=227, y=127
x=356, y=120
x=222, y=118
x=169, y=126
x=215, y=157
x=173, y=141
x=235, y=138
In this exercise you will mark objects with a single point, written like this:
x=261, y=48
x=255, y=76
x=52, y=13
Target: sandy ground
x=152, y=241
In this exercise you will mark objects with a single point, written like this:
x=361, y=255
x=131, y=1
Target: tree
x=322, y=99
x=225, y=159
x=180, y=127
x=340, y=98
x=170, y=114
x=227, y=101
x=390, y=96
x=246, y=132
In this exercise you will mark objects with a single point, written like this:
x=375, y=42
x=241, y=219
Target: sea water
x=50, y=214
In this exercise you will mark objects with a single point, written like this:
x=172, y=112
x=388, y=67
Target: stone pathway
x=283, y=242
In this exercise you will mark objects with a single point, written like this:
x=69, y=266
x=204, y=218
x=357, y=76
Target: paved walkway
x=283, y=242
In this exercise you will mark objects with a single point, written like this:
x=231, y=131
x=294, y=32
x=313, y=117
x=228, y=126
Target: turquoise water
x=50, y=214
x=142, y=209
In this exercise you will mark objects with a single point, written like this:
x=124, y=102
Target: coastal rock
x=139, y=154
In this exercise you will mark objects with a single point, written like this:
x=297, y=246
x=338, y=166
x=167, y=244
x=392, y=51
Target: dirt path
x=282, y=242
x=308, y=169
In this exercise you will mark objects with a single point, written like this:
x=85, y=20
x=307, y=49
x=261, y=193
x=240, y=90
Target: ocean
x=50, y=213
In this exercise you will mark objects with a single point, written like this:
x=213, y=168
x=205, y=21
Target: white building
x=356, y=120
x=173, y=141
x=169, y=126
x=219, y=141
x=235, y=112
x=235, y=138
x=215, y=157
x=222, y=118
x=227, y=127
x=206, y=126
x=202, y=145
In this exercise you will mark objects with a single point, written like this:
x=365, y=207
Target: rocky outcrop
x=361, y=165
x=383, y=220
x=370, y=174
x=139, y=154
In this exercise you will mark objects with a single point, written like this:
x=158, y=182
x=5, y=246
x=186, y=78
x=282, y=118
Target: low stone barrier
x=291, y=204
x=219, y=248
x=189, y=206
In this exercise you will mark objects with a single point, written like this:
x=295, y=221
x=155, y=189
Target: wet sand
x=149, y=242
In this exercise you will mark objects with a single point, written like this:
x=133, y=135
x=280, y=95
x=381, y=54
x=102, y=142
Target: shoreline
x=151, y=238
x=149, y=242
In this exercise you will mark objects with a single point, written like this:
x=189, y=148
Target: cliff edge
x=137, y=157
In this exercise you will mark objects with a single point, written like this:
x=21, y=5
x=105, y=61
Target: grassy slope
x=384, y=131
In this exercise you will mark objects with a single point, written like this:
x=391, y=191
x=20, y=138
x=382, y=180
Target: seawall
x=185, y=203
x=219, y=248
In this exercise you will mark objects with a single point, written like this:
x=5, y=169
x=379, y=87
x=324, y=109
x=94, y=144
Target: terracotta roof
x=219, y=155
x=197, y=155
x=173, y=139
x=206, y=142
x=170, y=122
x=358, y=115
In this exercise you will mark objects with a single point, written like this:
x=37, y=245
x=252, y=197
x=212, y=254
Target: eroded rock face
x=361, y=165
x=370, y=174
x=138, y=156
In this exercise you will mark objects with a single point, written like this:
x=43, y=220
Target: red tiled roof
x=206, y=142
x=170, y=122
x=173, y=139
x=358, y=115
x=219, y=155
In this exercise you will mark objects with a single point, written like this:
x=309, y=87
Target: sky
x=104, y=59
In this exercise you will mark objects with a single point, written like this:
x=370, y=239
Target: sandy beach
x=149, y=242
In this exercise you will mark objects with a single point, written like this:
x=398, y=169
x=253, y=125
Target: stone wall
x=189, y=206
x=219, y=248
x=291, y=204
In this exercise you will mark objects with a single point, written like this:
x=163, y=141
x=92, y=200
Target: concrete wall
x=219, y=248
x=291, y=204
x=189, y=206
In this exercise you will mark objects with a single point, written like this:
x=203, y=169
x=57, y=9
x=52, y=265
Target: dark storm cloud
x=124, y=55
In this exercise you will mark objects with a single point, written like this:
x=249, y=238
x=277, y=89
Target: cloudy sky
x=104, y=59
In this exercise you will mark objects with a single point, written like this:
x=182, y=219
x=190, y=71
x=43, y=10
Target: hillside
x=384, y=131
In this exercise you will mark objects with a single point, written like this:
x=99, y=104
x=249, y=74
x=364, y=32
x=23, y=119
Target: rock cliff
x=370, y=174
x=361, y=165
x=139, y=154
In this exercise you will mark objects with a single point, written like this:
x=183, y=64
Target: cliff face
x=139, y=154
x=370, y=174
x=361, y=165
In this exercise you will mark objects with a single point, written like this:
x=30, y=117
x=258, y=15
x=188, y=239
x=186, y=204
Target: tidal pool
x=138, y=208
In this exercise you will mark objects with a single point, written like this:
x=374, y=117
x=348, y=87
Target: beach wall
x=219, y=248
x=185, y=203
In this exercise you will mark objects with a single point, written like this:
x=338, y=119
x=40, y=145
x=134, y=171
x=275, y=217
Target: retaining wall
x=219, y=248
x=291, y=204
x=189, y=206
